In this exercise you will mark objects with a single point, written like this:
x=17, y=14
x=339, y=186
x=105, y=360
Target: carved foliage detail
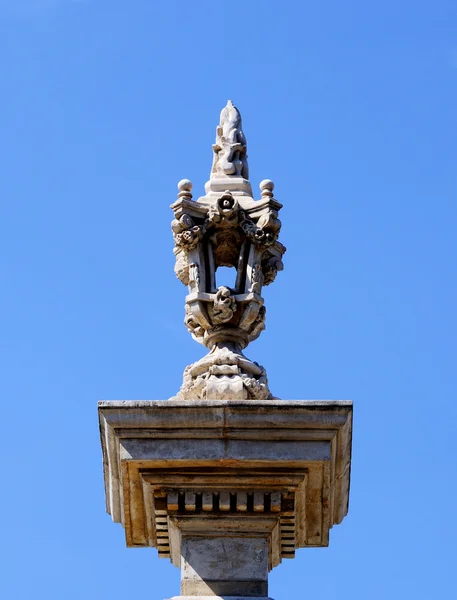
x=224, y=374
x=186, y=234
x=264, y=234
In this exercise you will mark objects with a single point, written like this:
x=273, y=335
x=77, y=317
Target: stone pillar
x=224, y=566
x=226, y=489
x=224, y=479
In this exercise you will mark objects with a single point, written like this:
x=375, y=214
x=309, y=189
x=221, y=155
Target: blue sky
x=350, y=107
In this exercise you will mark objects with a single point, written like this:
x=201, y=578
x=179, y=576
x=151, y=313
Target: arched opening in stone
x=226, y=276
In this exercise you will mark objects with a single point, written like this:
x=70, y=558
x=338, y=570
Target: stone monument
x=224, y=479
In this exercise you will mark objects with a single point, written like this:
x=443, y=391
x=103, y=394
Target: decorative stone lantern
x=226, y=228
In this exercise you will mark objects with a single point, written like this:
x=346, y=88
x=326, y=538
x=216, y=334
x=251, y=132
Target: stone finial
x=226, y=228
x=266, y=188
x=185, y=188
x=230, y=158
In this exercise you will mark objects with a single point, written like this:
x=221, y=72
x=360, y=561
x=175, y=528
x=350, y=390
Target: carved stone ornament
x=230, y=156
x=226, y=228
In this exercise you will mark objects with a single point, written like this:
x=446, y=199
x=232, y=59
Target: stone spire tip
x=230, y=157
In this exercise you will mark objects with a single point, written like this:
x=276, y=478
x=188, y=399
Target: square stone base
x=226, y=489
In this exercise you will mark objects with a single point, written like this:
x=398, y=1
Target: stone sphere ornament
x=267, y=187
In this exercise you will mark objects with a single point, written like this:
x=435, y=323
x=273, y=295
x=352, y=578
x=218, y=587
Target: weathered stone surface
x=226, y=228
x=156, y=452
x=230, y=156
x=224, y=565
x=224, y=559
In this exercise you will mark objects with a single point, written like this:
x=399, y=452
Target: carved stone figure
x=224, y=306
x=270, y=223
x=259, y=235
x=270, y=267
x=226, y=228
x=181, y=265
x=194, y=277
x=258, y=325
x=186, y=233
x=230, y=156
x=192, y=324
x=256, y=279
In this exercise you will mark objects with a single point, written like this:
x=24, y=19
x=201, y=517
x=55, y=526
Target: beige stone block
x=156, y=452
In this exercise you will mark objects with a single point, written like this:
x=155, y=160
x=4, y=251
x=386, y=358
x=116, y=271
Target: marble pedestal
x=226, y=489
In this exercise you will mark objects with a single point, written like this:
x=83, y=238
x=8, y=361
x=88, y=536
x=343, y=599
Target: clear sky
x=350, y=107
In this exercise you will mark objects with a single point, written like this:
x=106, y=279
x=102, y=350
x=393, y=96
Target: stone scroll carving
x=226, y=228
